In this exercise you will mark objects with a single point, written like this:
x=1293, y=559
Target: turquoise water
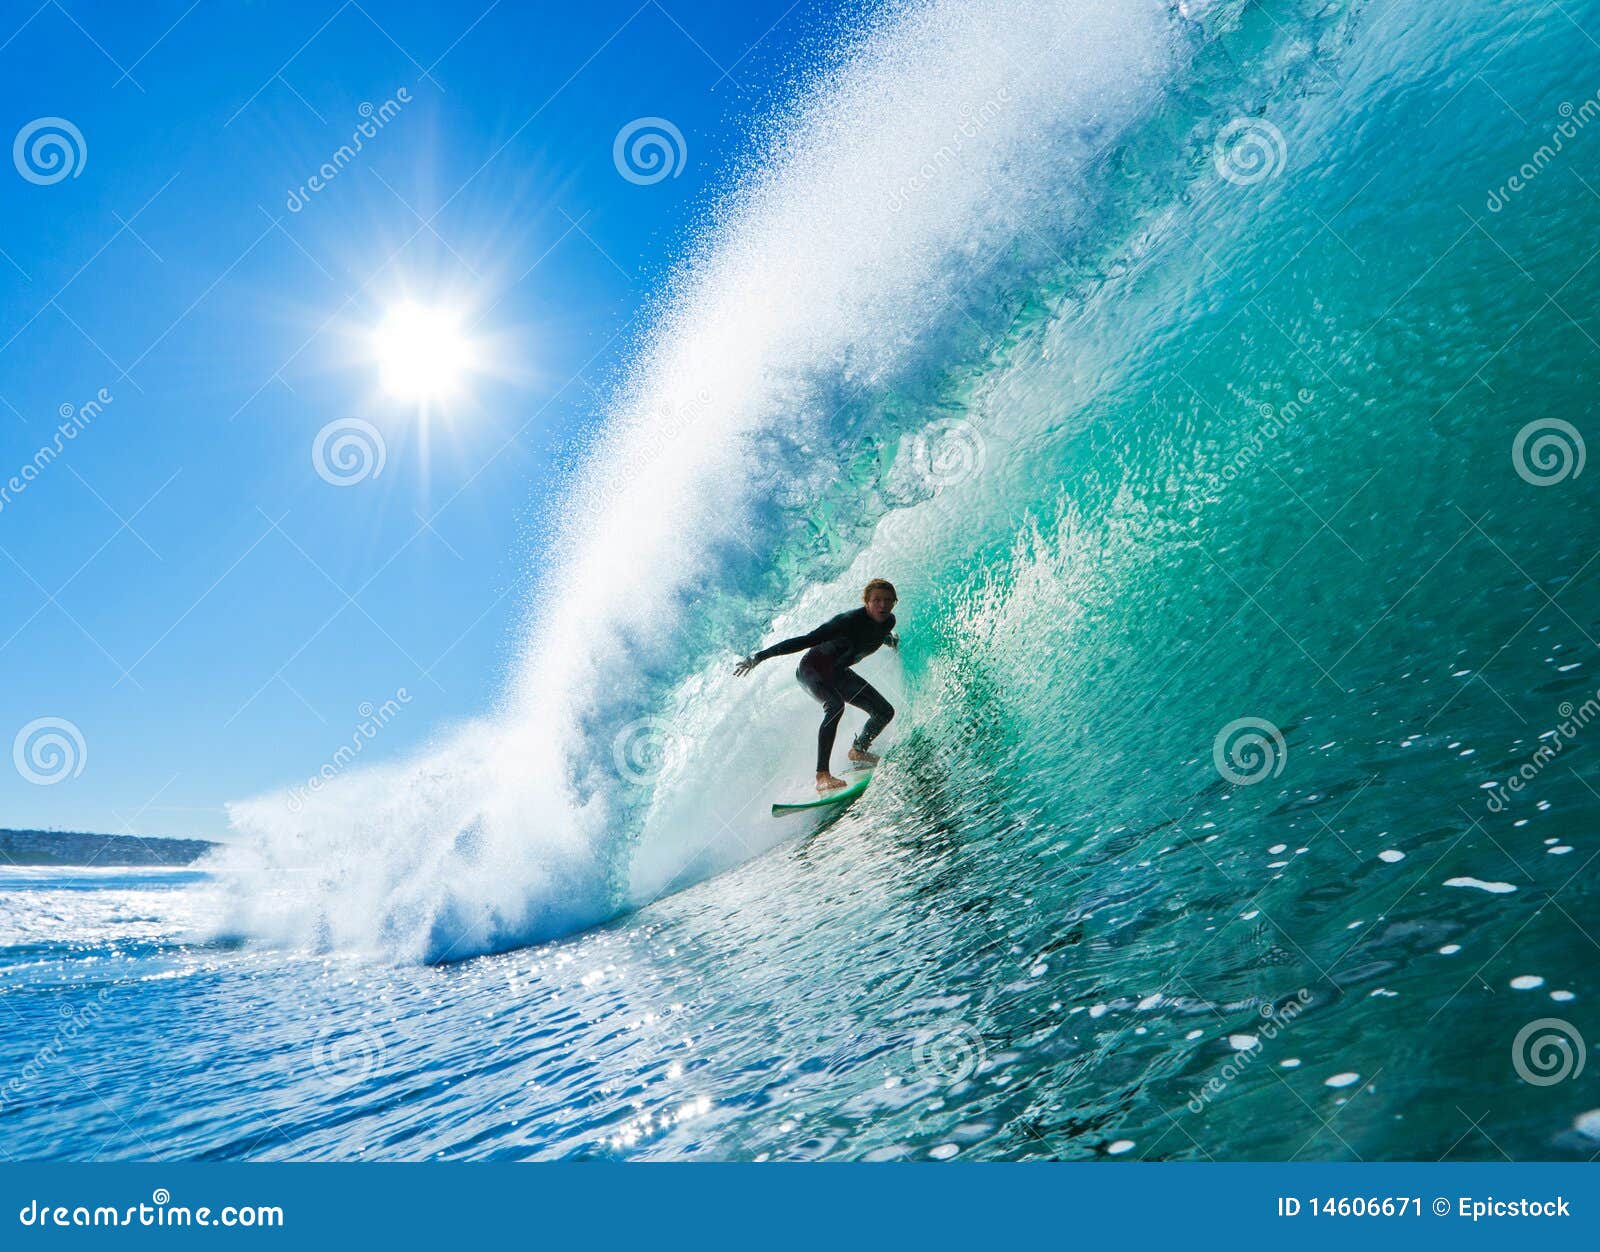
x=1196, y=377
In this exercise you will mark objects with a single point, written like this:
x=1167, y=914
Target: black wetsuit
x=825, y=672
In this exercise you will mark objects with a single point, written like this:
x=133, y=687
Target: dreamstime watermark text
x=373, y=119
x=75, y=419
x=74, y=1022
x=1275, y=420
x=1573, y=119
x=972, y=122
x=373, y=719
x=1248, y=1049
x=1552, y=743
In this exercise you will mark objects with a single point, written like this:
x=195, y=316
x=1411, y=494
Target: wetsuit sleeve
x=831, y=629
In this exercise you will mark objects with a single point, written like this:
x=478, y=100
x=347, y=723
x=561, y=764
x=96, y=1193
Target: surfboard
x=842, y=796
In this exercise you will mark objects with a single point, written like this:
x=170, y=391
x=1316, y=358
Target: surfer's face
x=880, y=604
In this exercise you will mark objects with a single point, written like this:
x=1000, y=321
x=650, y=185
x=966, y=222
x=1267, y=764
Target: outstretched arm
x=799, y=643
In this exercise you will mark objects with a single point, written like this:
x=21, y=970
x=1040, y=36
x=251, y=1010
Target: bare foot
x=827, y=782
x=863, y=758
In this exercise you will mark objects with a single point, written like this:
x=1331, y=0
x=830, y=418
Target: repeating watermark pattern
x=969, y=127
x=48, y=150
x=1249, y=150
x=373, y=120
x=74, y=1022
x=1574, y=119
x=49, y=750
x=1548, y=1051
x=1552, y=743
x=1248, y=751
x=373, y=719
x=1547, y=451
x=1275, y=420
x=348, y=450
x=640, y=749
x=75, y=419
x=948, y=452
x=648, y=150
x=948, y=1052
x=343, y=1058
x=1248, y=1048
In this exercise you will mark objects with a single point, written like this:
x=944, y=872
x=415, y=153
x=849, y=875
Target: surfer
x=824, y=671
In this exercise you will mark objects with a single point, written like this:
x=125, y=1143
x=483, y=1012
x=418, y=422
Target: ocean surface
x=1212, y=380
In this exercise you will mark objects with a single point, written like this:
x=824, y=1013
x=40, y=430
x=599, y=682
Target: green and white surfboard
x=828, y=800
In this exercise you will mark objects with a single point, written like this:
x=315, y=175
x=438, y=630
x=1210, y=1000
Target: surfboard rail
x=841, y=796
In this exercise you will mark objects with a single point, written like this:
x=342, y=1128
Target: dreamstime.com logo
x=1248, y=751
x=158, y=1211
x=1548, y=1051
x=49, y=150
x=1249, y=150
x=648, y=150
x=49, y=750
x=348, y=450
x=1548, y=451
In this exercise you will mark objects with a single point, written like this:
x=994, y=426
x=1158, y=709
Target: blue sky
x=192, y=613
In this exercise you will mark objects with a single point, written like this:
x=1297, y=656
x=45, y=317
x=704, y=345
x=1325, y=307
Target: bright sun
x=423, y=354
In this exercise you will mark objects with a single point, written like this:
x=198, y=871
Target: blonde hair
x=879, y=584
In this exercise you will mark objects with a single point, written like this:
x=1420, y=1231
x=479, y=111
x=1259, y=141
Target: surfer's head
x=880, y=599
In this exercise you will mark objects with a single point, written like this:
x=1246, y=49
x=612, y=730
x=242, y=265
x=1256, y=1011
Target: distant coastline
x=67, y=847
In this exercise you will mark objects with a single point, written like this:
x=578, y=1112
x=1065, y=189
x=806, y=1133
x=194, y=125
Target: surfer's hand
x=893, y=640
x=745, y=666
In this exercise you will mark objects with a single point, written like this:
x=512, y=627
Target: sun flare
x=423, y=353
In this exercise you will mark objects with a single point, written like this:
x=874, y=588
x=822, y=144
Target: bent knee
x=888, y=712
